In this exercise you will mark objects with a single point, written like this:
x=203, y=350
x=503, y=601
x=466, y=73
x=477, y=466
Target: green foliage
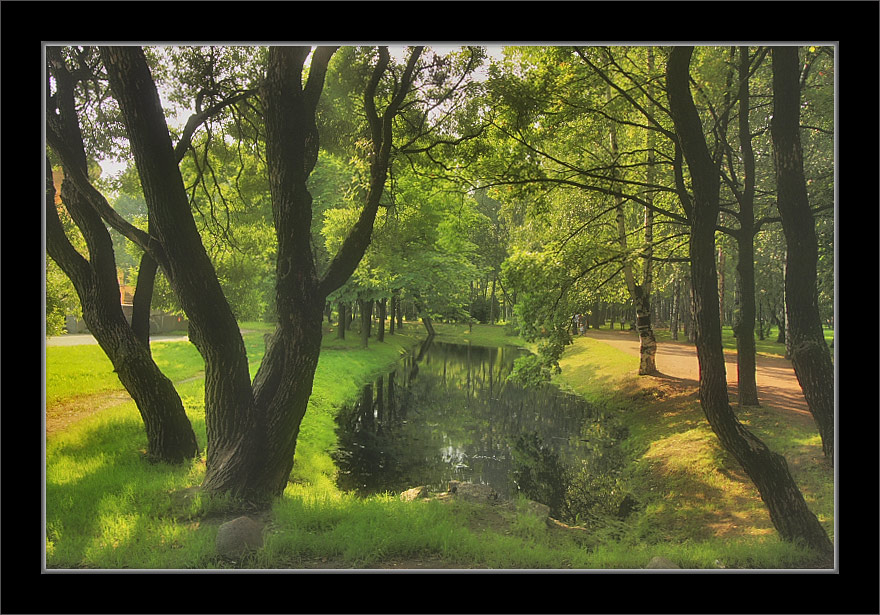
x=61, y=299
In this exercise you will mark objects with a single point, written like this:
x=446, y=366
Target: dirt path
x=777, y=385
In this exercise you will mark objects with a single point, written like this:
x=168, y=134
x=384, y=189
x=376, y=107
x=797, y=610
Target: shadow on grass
x=108, y=507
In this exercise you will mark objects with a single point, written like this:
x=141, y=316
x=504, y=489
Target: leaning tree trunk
x=253, y=427
x=809, y=353
x=788, y=511
x=170, y=436
x=231, y=422
x=425, y=316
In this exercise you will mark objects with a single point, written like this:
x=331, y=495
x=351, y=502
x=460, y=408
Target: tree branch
x=355, y=244
x=197, y=119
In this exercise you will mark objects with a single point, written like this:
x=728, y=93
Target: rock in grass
x=542, y=511
x=237, y=537
x=661, y=562
x=414, y=494
x=472, y=492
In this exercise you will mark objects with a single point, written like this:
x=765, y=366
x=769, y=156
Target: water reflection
x=448, y=412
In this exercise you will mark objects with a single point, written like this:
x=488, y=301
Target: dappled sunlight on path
x=777, y=384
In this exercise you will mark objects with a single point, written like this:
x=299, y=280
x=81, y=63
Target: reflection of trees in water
x=449, y=412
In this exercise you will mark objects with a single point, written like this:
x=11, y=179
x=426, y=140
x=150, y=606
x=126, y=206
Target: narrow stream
x=449, y=412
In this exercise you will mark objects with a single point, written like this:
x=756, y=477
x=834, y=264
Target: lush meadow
x=107, y=508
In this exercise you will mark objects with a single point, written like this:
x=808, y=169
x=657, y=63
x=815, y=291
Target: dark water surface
x=448, y=412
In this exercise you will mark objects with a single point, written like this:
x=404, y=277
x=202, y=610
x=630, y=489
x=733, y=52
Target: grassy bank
x=692, y=494
x=107, y=508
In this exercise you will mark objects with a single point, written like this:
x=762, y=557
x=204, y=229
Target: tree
x=809, y=352
x=608, y=96
x=170, y=436
x=768, y=470
x=744, y=327
x=252, y=426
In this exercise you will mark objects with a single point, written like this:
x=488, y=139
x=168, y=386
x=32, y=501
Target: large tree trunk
x=253, y=427
x=809, y=352
x=170, y=436
x=788, y=511
x=231, y=421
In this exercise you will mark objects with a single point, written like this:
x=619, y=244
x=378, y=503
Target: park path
x=777, y=384
x=63, y=414
x=82, y=339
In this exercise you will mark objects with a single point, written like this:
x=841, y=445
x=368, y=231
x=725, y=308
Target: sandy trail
x=777, y=384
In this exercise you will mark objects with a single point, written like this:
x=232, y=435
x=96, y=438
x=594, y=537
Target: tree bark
x=426, y=318
x=809, y=353
x=640, y=293
x=366, y=309
x=170, y=436
x=492, y=300
x=392, y=312
x=230, y=412
x=343, y=321
x=788, y=511
x=252, y=427
x=746, y=367
x=380, y=332
x=142, y=300
x=676, y=292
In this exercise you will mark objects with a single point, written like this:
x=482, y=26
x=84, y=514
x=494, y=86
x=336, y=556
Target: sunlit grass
x=78, y=370
x=689, y=487
x=106, y=507
x=478, y=335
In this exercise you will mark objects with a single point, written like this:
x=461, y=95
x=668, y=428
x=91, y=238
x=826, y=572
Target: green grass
x=108, y=508
x=72, y=371
x=692, y=492
x=478, y=335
